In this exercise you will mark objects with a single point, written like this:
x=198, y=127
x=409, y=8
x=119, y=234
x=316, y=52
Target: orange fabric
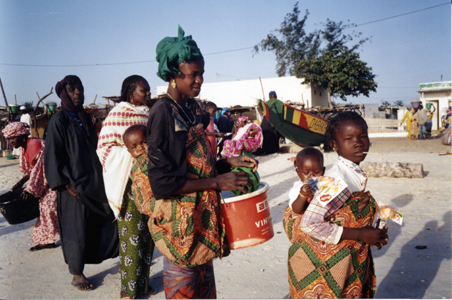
x=212, y=139
x=187, y=229
x=320, y=270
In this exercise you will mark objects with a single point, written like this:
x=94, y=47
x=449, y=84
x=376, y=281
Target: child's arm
x=300, y=204
x=368, y=235
x=217, y=134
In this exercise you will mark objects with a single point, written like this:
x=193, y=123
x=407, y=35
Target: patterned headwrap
x=171, y=51
x=68, y=105
x=14, y=129
x=243, y=119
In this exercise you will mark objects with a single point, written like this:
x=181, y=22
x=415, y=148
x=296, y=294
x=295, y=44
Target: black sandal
x=40, y=247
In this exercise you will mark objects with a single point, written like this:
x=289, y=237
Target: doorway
x=436, y=117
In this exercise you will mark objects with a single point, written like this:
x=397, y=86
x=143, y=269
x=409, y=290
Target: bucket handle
x=223, y=202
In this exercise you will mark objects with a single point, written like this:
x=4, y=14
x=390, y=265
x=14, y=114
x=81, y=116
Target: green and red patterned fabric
x=320, y=270
x=187, y=229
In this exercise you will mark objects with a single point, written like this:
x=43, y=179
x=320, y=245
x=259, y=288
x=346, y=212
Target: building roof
x=435, y=86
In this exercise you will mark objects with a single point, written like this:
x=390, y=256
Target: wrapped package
x=385, y=213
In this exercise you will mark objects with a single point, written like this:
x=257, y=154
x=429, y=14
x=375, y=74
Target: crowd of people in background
x=419, y=122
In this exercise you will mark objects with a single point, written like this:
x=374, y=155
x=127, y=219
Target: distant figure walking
x=422, y=116
x=408, y=117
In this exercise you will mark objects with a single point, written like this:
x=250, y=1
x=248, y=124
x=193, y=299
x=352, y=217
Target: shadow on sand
x=414, y=271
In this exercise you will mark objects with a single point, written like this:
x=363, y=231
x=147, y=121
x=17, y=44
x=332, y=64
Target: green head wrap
x=171, y=51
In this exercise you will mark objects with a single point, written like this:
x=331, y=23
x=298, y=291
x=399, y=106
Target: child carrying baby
x=332, y=243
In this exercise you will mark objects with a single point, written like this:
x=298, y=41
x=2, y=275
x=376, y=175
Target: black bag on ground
x=16, y=210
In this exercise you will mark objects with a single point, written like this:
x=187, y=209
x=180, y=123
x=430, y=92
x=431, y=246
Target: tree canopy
x=398, y=103
x=340, y=72
x=326, y=57
x=291, y=43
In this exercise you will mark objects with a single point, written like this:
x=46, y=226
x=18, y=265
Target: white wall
x=370, y=109
x=439, y=94
x=245, y=92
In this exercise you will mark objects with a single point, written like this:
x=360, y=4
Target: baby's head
x=211, y=108
x=347, y=134
x=135, y=139
x=309, y=163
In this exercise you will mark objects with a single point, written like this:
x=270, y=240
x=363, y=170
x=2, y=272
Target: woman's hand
x=71, y=190
x=26, y=196
x=253, y=131
x=234, y=181
x=20, y=183
x=243, y=161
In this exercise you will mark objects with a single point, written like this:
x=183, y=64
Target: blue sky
x=103, y=42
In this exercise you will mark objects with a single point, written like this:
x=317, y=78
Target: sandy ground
x=261, y=271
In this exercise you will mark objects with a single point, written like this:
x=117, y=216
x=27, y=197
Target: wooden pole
x=3, y=91
x=34, y=113
x=262, y=87
x=94, y=102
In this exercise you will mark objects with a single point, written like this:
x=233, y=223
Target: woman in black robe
x=87, y=229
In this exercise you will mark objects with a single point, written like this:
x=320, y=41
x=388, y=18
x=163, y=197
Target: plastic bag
x=384, y=214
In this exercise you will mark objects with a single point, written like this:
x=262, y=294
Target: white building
x=372, y=111
x=246, y=92
x=439, y=95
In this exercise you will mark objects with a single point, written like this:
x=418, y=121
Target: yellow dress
x=409, y=118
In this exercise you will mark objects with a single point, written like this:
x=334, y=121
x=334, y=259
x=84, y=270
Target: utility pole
x=4, y=96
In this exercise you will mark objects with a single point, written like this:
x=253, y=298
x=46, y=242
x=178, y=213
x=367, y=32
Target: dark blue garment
x=75, y=116
x=223, y=124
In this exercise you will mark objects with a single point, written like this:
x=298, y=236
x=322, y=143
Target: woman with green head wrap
x=185, y=219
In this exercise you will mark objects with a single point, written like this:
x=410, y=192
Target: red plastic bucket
x=247, y=218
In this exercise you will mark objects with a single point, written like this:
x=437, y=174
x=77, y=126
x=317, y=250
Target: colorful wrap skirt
x=136, y=247
x=189, y=283
x=320, y=270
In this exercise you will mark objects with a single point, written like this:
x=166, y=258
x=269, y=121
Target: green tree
x=292, y=44
x=295, y=44
x=399, y=103
x=340, y=72
x=385, y=103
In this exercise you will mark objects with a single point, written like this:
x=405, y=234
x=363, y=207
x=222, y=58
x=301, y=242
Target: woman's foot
x=45, y=246
x=81, y=283
x=124, y=295
x=152, y=290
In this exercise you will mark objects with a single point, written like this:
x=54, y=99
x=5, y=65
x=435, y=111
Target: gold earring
x=173, y=83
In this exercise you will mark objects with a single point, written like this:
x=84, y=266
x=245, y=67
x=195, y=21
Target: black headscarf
x=68, y=105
